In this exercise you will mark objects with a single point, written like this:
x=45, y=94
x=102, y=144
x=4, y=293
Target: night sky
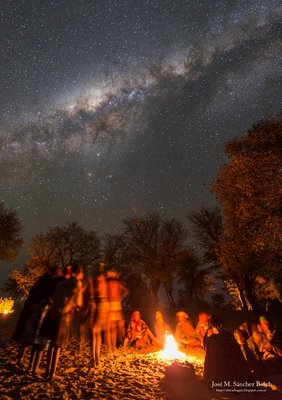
x=115, y=108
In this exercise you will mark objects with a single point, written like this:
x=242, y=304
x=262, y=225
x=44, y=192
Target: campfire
x=170, y=351
x=172, y=356
x=6, y=305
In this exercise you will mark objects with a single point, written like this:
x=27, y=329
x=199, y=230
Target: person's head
x=181, y=316
x=204, y=317
x=101, y=266
x=112, y=274
x=136, y=316
x=68, y=271
x=216, y=322
x=55, y=270
x=159, y=316
x=265, y=323
x=78, y=272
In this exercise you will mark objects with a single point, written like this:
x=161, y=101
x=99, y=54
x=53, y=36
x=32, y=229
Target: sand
x=128, y=374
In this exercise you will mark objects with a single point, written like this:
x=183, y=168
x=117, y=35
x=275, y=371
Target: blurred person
x=56, y=325
x=248, y=347
x=68, y=272
x=34, y=311
x=86, y=313
x=161, y=328
x=40, y=344
x=203, y=325
x=100, y=314
x=270, y=339
x=116, y=293
x=185, y=333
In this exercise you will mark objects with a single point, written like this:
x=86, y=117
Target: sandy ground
x=128, y=374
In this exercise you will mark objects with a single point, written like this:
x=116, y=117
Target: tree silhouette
x=207, y=227
x=59, y=246
x=249, y=188
x=10, y=231
x=195, y=277
x=66, y=245
x=113, y=247
x=153, y=245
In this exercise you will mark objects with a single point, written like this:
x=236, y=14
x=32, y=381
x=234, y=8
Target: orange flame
x=170, y=351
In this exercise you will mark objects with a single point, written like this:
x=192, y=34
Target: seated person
x=270, y=344
x=203, y=325
x=138, y=333
x=248, y=347
x=185, y=333
x=161, y=328
x=224, y=360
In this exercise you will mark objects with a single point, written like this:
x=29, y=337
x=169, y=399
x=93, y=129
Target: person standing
x=101, y=314
x=116, y=292
x=56, y=326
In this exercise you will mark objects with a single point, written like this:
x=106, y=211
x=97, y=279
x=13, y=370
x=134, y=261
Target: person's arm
x=79, y=295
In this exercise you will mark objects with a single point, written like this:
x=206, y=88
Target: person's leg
x=121, y=331
x=98, y=344
x=31, y=359
x=82, y=334
x=49, y=360
x=151, y=336
x=113, y=330
x=143, y=341
x=37, y=360
x=21, y=354
x=108, y=339
x=54, y=364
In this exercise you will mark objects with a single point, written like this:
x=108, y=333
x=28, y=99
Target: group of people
x=239, y=355
x=45, y=321
x=58, y=298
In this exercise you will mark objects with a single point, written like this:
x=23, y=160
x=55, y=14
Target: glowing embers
x=170, y=351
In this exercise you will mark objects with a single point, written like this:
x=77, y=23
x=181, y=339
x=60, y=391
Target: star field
x=114, y=108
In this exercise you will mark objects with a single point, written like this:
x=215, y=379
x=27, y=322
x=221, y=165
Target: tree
x=249, y=188
x=153, y=245
x=66, y=245
x=195, y=277
x=10, y=231
x=113, y=247
x=207, y=227
x=59, y=246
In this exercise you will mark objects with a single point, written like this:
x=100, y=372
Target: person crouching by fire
x=138, y=333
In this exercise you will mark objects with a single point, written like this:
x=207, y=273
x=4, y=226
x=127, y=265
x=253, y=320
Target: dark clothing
x=56, y=325
x=31, y=315
x=224, y=360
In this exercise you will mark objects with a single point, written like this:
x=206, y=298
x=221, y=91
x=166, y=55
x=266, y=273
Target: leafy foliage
x=249, y=188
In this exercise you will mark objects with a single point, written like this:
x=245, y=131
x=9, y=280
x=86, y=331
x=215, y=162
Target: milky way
x=114, y=108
